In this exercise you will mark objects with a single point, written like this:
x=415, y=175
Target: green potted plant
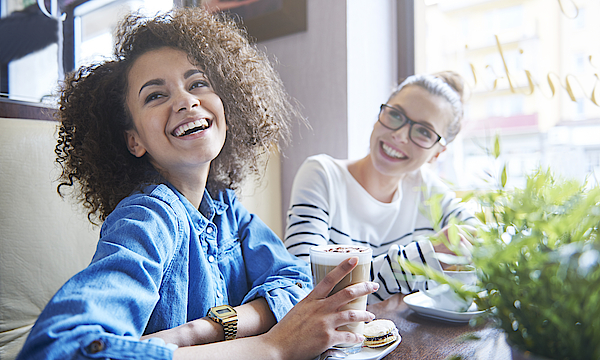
x=537, y=253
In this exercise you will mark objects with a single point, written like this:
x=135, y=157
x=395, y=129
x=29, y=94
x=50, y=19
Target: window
x=34, y=75
x=530, y=67
x=96, y=20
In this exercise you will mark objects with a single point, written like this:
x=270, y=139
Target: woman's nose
x=185, y=101
x=402, y=135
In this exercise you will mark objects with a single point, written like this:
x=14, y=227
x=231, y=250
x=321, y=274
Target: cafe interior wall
x=340, y=70
x=502, y=40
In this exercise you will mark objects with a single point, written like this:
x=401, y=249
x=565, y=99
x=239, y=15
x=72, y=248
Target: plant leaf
x=503, y=177
x=496, y=146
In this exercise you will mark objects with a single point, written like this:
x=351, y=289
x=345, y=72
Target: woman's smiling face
x=392, y=152
x=179, y=121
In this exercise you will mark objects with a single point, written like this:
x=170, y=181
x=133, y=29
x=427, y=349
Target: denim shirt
x=159, y=264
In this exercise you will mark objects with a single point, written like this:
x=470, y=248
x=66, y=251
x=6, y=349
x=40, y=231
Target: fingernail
x=375, y=286
x=353, y=260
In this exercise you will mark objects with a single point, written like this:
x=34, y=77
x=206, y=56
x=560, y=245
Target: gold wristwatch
x=227, y=317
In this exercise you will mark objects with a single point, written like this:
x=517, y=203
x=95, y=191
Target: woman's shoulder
x=323, y=159
x=324, y=163
x=431, y=181
x=151, y=218
x=156, y=201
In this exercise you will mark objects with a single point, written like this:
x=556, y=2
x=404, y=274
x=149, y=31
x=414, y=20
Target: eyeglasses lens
x=419, y=134
x=393, y=119
x=422, y=136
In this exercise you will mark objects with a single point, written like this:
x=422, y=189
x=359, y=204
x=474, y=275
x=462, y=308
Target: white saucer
x=374, y=353
x=423, y=305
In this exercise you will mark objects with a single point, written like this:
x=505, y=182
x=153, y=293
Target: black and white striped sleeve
x=392, y=277
x=452, y=207
x=308, y=215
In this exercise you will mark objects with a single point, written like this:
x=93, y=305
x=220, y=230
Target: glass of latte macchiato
x=325, y=258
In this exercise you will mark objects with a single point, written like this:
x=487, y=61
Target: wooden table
x=425, y=338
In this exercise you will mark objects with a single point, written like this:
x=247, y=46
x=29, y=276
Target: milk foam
x=320, y=255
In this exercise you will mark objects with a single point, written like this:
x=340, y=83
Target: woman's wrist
x=204, y=331
x=277, y=347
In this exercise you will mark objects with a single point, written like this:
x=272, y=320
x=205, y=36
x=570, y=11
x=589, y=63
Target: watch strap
x=226, y=316
x=230, y=328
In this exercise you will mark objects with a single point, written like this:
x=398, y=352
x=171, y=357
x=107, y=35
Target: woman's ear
x=135, y=148
x=437, y=153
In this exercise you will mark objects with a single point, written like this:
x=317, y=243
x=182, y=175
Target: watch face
x=227, y=317
x=223, y=311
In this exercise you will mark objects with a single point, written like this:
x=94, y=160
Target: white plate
x=374, y=353
x=423, y=305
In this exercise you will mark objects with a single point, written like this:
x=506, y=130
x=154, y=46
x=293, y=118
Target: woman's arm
x=254, y=318
x=305, y=332
x=102, y=310
x=396, y=279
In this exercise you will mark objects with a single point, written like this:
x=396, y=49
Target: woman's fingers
x=466, y=244
x=312, y=325
x=353, y=292
x=346, y=317
x=347, y=337
x=324, y=287
x=469, y=232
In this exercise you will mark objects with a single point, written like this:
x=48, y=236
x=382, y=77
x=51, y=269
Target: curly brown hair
x=91, y=148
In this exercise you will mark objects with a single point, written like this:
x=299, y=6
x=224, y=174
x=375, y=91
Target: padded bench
x=44, y=239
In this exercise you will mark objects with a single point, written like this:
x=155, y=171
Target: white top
x=328, y=206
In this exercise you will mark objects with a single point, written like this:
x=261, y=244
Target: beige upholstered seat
x=44, y=239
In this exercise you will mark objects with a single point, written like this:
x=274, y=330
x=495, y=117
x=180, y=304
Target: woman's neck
x=379, y=186
x=190, y=185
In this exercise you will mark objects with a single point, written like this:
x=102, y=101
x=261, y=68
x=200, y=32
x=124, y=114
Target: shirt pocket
x=229, y=245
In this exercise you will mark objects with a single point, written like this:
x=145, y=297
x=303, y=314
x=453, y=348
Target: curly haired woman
x=153, y=143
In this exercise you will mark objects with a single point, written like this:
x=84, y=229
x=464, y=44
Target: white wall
x=341, y=69
x=372, y=69
x=313, y=66
x=263, y=196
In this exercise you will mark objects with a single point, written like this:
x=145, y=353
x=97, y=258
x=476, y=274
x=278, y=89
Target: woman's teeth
x=392, y=152
x=191, y=127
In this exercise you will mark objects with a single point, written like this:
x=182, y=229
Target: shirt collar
x=209, y=206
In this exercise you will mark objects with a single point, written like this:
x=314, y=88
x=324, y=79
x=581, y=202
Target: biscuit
x=379, y=333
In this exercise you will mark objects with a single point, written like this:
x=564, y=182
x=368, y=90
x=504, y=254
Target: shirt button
x=211, y=258
x=209, y=230
x=95, y=346
x=219, y=295
x=299, y=284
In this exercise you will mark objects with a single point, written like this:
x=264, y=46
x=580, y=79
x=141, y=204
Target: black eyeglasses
x=420, y=134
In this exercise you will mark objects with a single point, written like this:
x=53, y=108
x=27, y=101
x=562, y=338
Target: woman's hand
x=310, y=327
x=464, y=246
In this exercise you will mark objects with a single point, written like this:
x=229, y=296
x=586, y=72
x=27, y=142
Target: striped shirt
x=328, y=206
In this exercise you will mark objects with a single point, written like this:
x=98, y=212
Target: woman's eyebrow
x=186, y=75
x=426, y=123
x=192, y=72
x=150, y=83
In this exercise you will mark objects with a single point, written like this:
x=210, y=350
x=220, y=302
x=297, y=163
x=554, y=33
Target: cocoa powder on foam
x=346, y=249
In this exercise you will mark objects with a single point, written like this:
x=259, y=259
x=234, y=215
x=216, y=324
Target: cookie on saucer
x=379, y=333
